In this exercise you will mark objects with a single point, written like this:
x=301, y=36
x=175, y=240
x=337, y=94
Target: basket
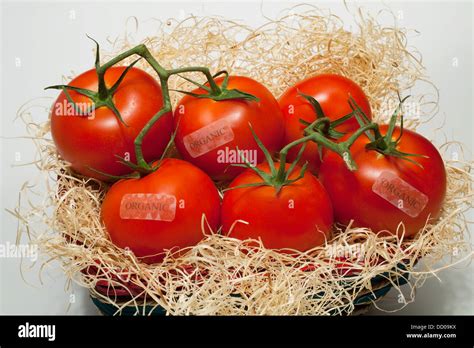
x=381, y=285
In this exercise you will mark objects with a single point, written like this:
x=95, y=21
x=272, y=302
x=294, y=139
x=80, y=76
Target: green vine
x=103, y=97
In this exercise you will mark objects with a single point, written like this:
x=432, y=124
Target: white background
x=50, y=44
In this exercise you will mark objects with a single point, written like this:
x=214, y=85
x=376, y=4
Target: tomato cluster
x=334, y=165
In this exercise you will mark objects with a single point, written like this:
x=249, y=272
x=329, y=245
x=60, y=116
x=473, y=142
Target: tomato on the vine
x=213, y=132
x=332, y=93
x=298, y=215
x=93, y=141
x=387, y=190
x=162, y=210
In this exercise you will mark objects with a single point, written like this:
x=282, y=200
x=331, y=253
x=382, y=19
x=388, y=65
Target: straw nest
x=222, y=275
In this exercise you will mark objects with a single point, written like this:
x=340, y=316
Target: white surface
x=50, y=43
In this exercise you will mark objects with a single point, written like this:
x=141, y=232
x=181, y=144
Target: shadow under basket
x=381, y=285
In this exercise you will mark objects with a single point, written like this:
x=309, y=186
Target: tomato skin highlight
x=299, y=217
x=195, y=195
x=352, y=192
x=192, y=114
x=332, y=92
x=95, y=142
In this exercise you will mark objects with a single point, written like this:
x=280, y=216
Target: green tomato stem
x=139, y=139
x=215, y=89
x=163, y=74
x=342, y=149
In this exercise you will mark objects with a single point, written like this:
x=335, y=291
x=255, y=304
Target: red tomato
x=387, y=190
x=94, y=142
x=298, y=217
x=332, y=92
x=162, y=210
x=209, y=132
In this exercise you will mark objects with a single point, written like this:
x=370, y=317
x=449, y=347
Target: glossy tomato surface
x=95, y=141
x=387, y=190
x=299, y=217
x=332, y=92
x=209, y=132
x=162, y=210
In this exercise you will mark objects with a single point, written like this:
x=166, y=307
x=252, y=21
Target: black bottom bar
x=193, y=331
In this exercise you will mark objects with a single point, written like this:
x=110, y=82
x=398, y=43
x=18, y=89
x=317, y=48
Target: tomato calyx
x=384, y=144
x=103, y=97
x=218, y=93
x=325, y=126
x=277, y=178
x=313, y=133
x=322, y=131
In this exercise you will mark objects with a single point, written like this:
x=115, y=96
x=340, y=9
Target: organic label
x=208, y=138
x=400, y=193
x=148, y=206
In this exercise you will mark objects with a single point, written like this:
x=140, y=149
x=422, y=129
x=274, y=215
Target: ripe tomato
x=298, y=217
x=386, y=190
x=209, y=132
x=162, y=210
x=95, y=141
x=332, y=92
